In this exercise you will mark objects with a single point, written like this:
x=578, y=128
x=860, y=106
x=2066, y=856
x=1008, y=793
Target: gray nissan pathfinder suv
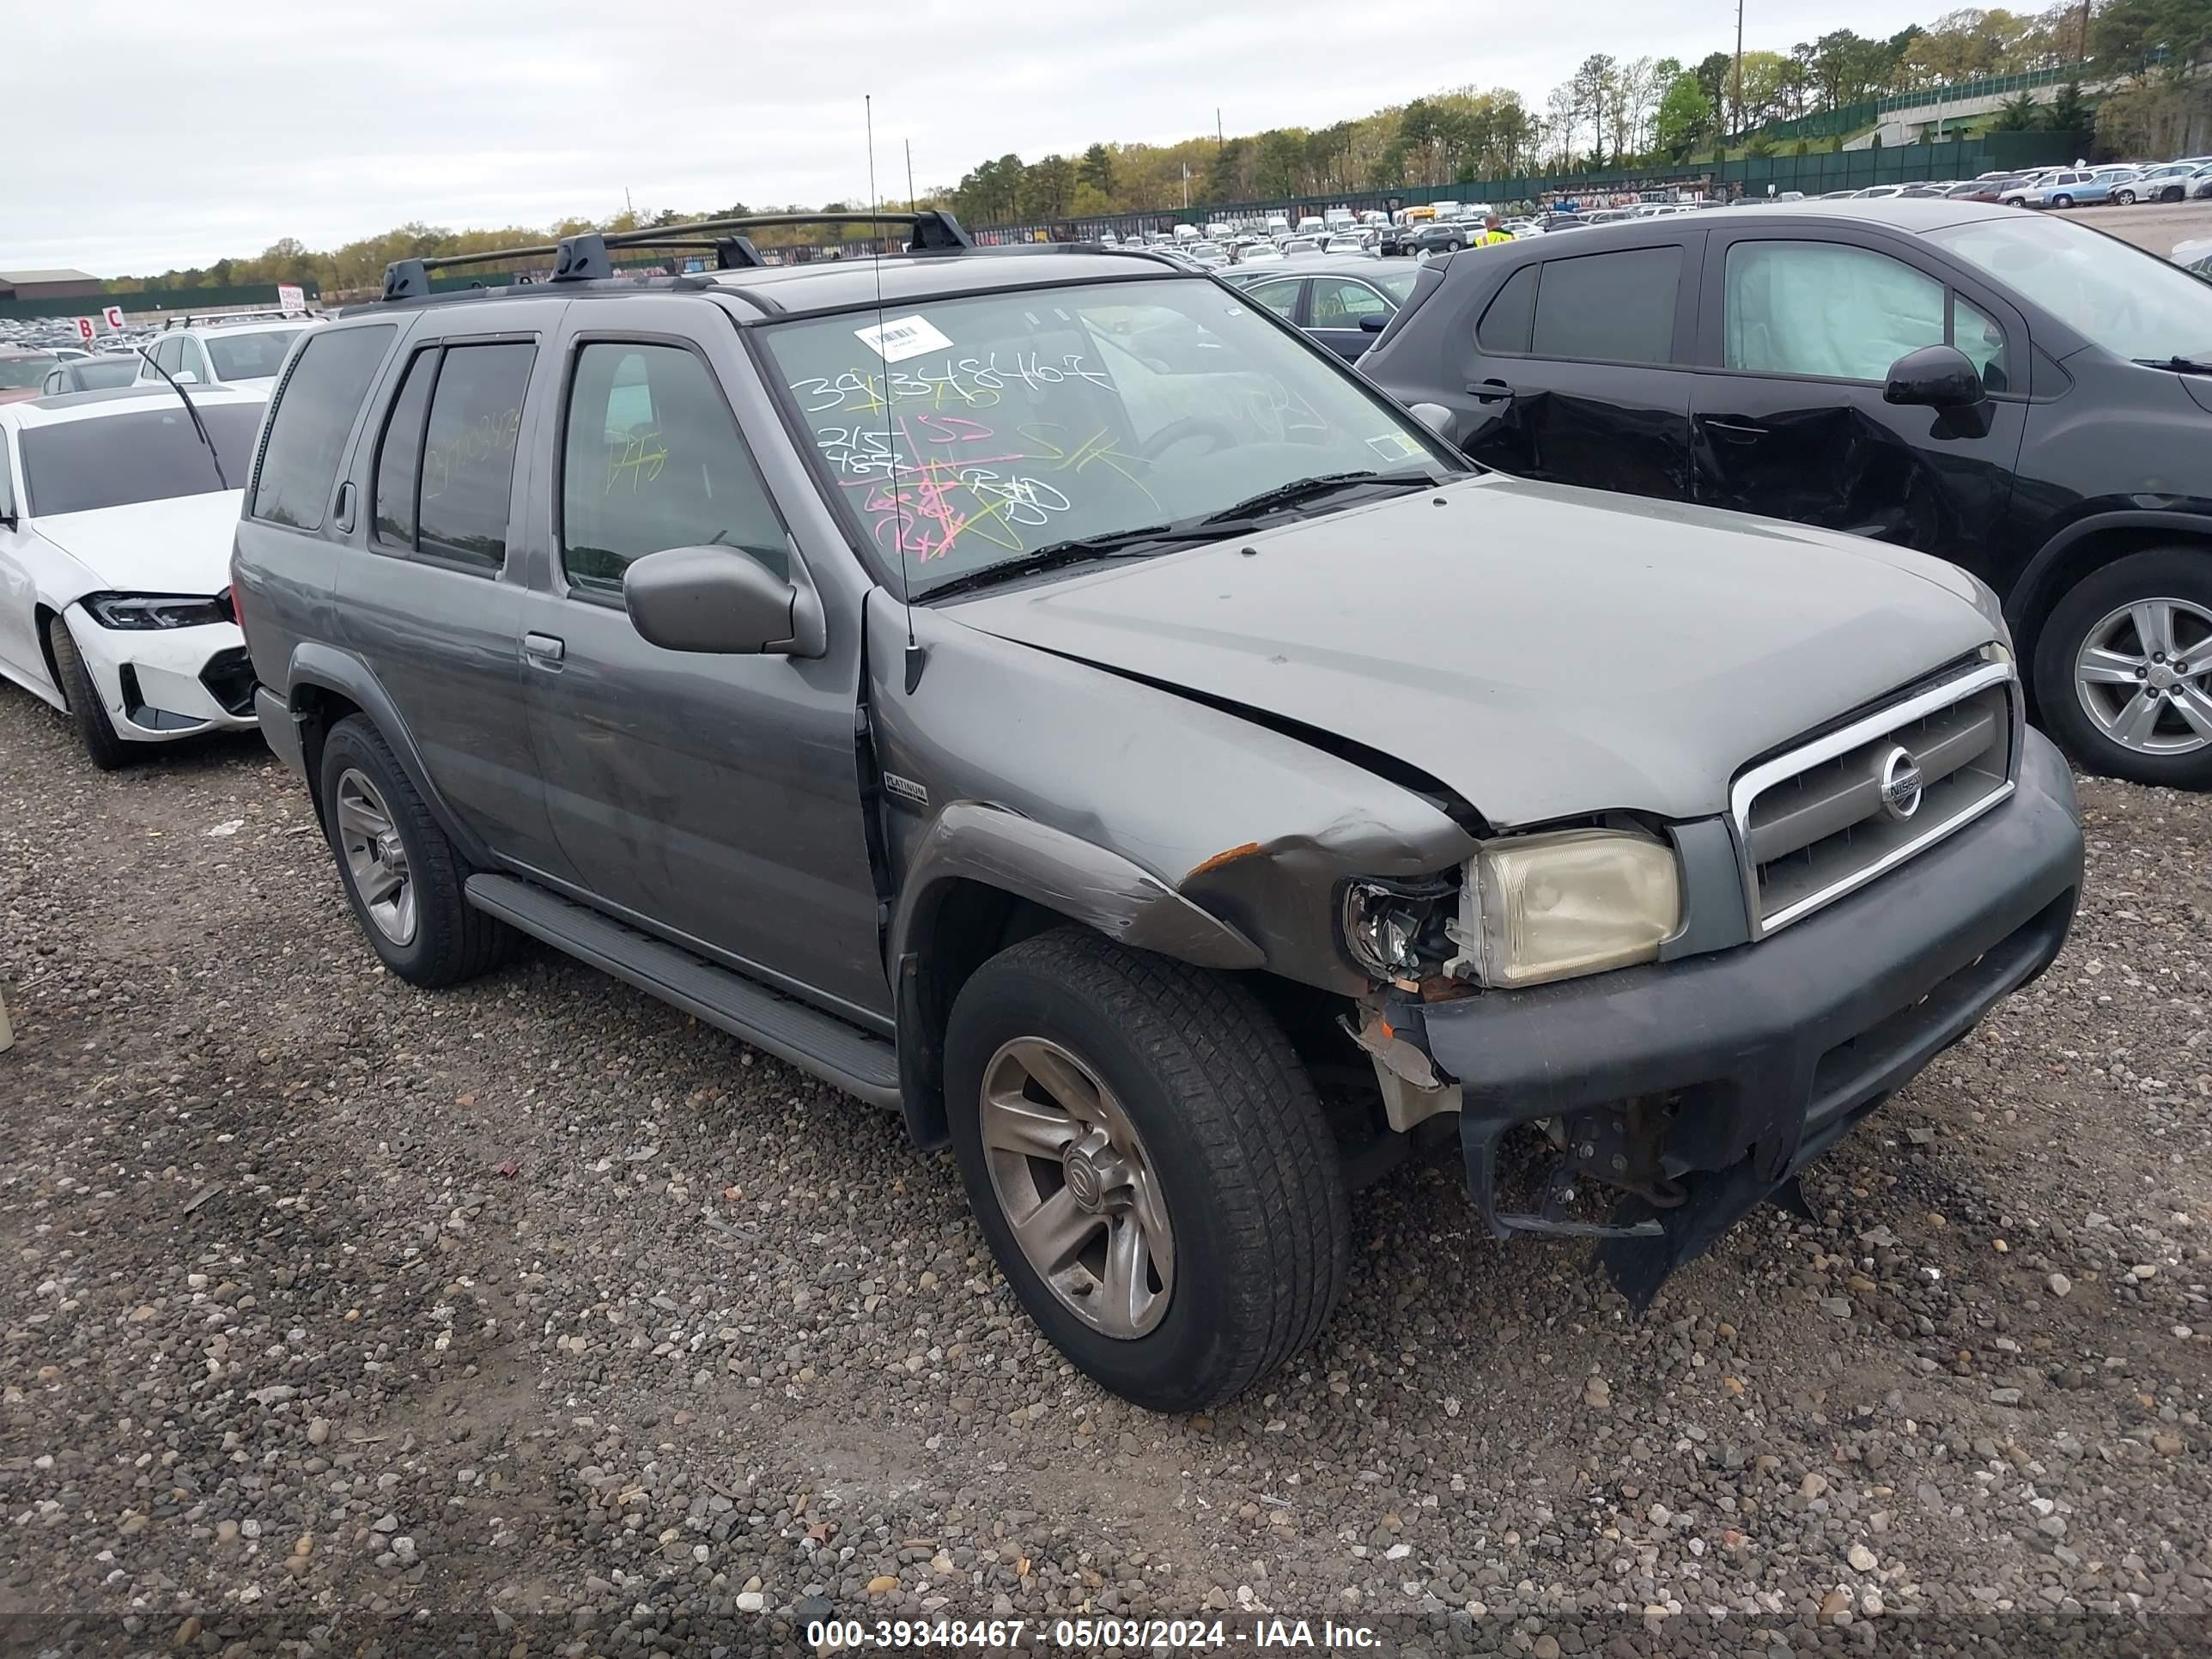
x=1044, y=696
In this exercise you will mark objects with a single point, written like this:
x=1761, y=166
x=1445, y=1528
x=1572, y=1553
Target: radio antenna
x=915, y=655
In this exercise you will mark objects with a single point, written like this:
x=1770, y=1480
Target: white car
x=116, y=522
x=243, y=354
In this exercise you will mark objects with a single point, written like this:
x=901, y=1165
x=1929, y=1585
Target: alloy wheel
x=1077, y=1186
x=2144, y=677
x=375, y=857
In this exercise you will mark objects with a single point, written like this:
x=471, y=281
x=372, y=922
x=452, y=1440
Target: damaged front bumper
x=1690, y=1090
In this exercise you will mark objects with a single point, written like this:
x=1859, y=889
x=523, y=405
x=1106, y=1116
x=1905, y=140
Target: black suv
x=2022, y=395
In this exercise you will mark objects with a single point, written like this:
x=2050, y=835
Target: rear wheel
x=401, y=874
x=2062, y=201
x=2123, y=669
x=1147, y=1158
x=94, y=729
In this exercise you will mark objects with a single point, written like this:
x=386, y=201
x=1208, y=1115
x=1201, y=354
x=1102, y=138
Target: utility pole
x=1221, y=144
x=909, y=175
x=1738, y=65
x=2084, y=52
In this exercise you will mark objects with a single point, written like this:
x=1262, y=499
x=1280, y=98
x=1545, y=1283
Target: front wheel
x=2123, y=669
x=94, y=729
x=2124, y=198
x=1147, y=1158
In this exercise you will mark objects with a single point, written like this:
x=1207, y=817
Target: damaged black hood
x=1546, y=652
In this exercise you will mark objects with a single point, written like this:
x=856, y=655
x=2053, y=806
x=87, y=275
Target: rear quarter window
x=1507, y=319
x=307, y=427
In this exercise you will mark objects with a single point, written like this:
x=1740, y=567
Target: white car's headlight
x=1573, y=902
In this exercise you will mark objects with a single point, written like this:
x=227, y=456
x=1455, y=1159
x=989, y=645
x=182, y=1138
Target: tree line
x=1608, y=113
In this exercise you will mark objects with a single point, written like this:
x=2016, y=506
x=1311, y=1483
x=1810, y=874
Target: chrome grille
x=1831, y=815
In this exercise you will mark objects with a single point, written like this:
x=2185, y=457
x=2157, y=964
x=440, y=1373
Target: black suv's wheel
x=2123, y=669
x=86, y=712
x=1146, y=1154
x=401, y=875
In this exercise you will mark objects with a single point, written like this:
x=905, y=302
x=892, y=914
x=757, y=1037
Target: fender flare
x=329, y=669
x=974, y=841
x=2027, y=595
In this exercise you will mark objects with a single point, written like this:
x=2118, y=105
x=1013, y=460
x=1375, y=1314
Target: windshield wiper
x=1307, y=490
x=2179, y=365
x=198, y=425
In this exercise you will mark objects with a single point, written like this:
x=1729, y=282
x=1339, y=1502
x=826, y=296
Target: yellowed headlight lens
x=1576, y=901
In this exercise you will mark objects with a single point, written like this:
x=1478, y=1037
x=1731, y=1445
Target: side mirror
x=186, y=377
x=1934, y=377
x=1435, y=416
x=709, y=598
x=1375, y=322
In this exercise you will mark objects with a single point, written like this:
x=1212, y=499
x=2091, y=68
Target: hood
x=1545, y=652
x=179, y=545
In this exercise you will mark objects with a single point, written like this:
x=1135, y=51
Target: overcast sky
x=215, y=127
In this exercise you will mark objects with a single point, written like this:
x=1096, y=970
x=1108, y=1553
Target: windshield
x=16, y=373
x=2131, y=303
x=252, y=356
x=112, y=460
x=1021, y=420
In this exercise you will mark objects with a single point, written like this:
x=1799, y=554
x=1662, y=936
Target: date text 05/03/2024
x=830, y=1635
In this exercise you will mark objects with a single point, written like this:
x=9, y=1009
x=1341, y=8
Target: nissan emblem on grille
x=1900, y=784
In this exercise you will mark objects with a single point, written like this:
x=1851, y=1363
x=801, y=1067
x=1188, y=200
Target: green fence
x=151, y=299
x=1846, y=118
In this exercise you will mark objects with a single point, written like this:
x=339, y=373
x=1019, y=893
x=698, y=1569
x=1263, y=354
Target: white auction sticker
x=902, y=337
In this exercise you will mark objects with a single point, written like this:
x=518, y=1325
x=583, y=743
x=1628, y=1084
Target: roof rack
x=586, y=256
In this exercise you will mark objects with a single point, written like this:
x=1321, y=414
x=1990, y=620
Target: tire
x=2062, y=201
x=2099, y=610
x=1226, y=1125
x=2124, y=198
x=1454, y=247
x=86, y=712
x=440, y=939
x=2174, y=194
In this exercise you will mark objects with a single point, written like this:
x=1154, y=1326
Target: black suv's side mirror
x=1934, y=377
x=709, y=598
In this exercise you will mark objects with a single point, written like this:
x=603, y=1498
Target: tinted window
x=1507, y=319
x=653, y=461
x=256, y=356
x=1281, y=298
x=1823, y=309
x=191, y=361
x=398, y=452
x=112, y=460
x=468, y=451
x=308, y=428
x=1615, y=307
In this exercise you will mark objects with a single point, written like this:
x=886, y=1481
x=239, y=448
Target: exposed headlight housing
x=1548, y=907
x=144, y=612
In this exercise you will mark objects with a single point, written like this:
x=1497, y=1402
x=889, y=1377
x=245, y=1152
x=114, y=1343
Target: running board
x=784, y=1026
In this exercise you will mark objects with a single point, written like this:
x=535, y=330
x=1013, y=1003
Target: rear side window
x=1509, y=316
x=653, y=460
x=1610, y=308
x=468, y=453
x=307, y=427
x=399, y=453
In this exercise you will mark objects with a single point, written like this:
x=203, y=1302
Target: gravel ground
x=535, y=1316
x=2153, y=225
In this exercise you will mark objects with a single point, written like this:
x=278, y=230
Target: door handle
x=1491, y=391
x=1741, y=432
x=344, y=515
x=544, y=649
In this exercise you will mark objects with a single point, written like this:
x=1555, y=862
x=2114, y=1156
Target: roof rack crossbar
x=933, y=231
